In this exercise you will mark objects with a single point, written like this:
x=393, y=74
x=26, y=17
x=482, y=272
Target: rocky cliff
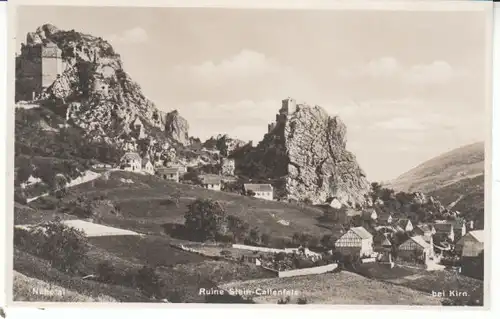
x=306, y=150
x=93, y=92
x=224, y=144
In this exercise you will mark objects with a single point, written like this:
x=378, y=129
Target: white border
x=214, y=310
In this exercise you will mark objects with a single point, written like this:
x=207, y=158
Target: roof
x=132, y=156
x=443, y=227
x=424, y=228
x=258, y=187
x=145, y=160
x=211, y=180
x=420, y=240
x=478, y=235
x=167, y=170
x=386, y=242
x=361, y=232
x=403, y=222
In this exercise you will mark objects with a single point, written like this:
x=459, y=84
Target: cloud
x=134, y=35
x=401, y=124
x=436, y=72
x=246, y=74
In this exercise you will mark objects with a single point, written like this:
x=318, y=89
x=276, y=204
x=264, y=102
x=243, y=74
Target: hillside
x=444, y=170
x=455, y=178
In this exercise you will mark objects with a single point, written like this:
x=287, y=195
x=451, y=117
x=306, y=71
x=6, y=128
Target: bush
x=64, y=247
x=148, y=281
x=302, y=301
x=105, y=271
x=206, y=219
x=20, y=196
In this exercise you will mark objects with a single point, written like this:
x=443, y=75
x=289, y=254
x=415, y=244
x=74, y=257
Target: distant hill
x=455, y=175
x=444, y=170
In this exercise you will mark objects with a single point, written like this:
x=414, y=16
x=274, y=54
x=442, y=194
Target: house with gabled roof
x=444, y=229
x=356, y=241
x=472, y=244
x=369, y=214
x=459, y=228
x=264, y=191
x=168, y=173
x=211, y=182
x=424, y=230
x=417, y=248
x=131, y=161
x=404, y=225
x=147, y=165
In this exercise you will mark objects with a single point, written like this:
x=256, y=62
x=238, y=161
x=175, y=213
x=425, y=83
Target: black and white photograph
x=273, y=156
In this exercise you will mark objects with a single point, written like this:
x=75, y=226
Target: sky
x=408, y=85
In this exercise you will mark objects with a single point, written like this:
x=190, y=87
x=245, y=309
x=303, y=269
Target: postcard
x=334, y=155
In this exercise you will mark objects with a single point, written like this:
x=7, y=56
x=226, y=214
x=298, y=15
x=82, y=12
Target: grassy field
x=150, y=250
x=425, y=281
x=143, y=205
x=343, y=288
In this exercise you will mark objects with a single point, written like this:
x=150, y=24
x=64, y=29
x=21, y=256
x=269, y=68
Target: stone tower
x=37, y=67
x=288, y=106
x=52, y=64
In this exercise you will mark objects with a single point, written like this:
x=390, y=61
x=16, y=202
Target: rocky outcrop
x=94, y=92
x=177, y=128
x=224, y=144
x=306, y=151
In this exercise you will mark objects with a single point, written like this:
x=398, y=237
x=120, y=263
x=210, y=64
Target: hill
x=455, y=178
x=442, y=171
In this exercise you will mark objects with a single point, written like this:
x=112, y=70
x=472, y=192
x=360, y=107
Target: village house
x=424, y=230
x=304, y=251
x=416, y=249
x=389, y=219
x=369, y=214
x=357, y=241
x=211, y=182
x=404, y=225
x=334, y=202
x=471, y=245
x=264, y=191
x=147, y=165
x=181, y=168
x=471, y=249
x=444, y=230
x=168, y=173
x=459, y=228
x=131, y=161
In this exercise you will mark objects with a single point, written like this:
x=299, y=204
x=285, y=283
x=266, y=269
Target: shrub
x=206, y=219
x=302, y=301
x=64, y=247
x=105, y=271
x=20, y=196
x=148, y=281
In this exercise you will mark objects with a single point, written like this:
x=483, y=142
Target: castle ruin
x=37, y=67
x=288, y=107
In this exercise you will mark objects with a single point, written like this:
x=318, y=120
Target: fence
x=307, y=271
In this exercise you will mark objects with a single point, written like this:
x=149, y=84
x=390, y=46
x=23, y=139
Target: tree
x=265, y=239
x=105, y=271
x=205, y=219
x=254, y=236
x=148, y=281
x=64, y=247
x=176, y=196
x=24, y=170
